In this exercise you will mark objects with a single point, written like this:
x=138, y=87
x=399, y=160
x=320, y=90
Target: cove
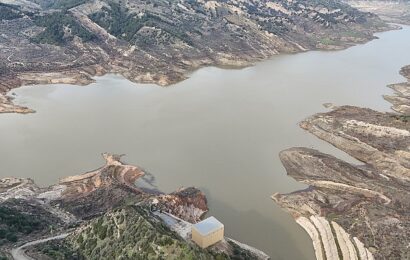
x=221, y=130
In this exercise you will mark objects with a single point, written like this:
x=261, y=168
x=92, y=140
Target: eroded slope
x=161, y=41
x=105, y=214
x=355, y=211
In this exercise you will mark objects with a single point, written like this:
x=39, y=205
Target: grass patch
x=327, y=41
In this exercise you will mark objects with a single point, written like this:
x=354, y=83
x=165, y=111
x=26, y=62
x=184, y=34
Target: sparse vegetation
x=327, y=41
x=60, y=28
x=167, y=39
x=403, y=118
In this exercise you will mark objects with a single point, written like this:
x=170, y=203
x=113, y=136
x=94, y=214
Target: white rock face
x=278, y=7
x=364, y=253
x=325, y=243
x=17, y=188
x=52, y=194
x=314, y=234
x=211, y=5
x=376, y=130
x=326, y=234
x=349, y=188
x=345, y=244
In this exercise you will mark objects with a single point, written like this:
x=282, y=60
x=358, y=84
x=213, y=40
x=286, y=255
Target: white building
x=207, y=232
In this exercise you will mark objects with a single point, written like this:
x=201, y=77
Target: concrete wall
x=208, y=240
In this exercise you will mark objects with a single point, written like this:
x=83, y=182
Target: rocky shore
x=107, y=207
x=355, y=211
x=162, y=42
x=400, y=99
x=395, y=11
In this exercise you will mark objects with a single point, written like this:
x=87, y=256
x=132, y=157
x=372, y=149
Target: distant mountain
x=394, y=11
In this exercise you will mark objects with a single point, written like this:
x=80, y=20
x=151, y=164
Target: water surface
x=221, y=130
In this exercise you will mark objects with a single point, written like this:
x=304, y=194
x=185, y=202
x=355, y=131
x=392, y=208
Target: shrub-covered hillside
x=130, y=233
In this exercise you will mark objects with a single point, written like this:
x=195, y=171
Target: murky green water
x=221, y=130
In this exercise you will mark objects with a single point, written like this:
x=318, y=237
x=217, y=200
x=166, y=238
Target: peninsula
x=105, y=214
x=355, y=211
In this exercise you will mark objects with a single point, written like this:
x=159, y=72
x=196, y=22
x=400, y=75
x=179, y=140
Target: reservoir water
x=221, y=130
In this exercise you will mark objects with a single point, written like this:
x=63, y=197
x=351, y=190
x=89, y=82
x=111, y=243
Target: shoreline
x=354, y=199
x=82, y=76
x=79, y=201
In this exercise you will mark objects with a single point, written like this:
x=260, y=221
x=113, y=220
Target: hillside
x=158, y=41
x=104, y=214
x=126, y=233
x=354, y=211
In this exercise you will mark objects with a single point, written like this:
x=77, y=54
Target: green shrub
x=102, y=232
x=138, y=231
x=54, y=24
x=9, y=12
x=118, y=21
x=13, y=222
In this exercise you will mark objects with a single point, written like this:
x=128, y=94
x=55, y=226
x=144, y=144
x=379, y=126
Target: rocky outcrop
x=360, y=208
x=189, y=204
x=400, y=99
x=378, y=139
x=113, y=173
x=17, y=188
x=82, y=195
x=98, y=191
x=331, y=241
x=7, y=106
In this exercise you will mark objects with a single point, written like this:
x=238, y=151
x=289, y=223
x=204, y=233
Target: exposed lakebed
x=221, y=130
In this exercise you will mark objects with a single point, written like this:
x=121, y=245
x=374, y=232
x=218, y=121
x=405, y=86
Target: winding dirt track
x=19, y=252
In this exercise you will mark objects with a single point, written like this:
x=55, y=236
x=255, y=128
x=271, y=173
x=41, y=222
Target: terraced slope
x=355, y=211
